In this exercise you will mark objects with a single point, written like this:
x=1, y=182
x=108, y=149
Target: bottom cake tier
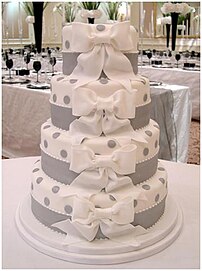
x=58, y=206
x=100, y=251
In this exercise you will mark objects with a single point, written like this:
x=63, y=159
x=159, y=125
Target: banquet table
x=183, y=180
x=24, y=111
x=177, y=76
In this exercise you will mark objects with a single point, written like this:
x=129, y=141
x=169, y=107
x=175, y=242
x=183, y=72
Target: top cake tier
x=79, y=37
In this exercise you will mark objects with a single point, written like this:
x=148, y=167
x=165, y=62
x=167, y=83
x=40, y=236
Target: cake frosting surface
x=99, y=174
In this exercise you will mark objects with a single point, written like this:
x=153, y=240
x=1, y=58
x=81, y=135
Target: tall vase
x=38, y=15
x=167, y=35
x=174, y=19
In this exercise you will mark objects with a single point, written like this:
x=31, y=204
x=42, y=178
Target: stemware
x=52, y=61
x=149, y=55
x=27, y=59
x=37, y=67
x=9, y=65
x=177, y=57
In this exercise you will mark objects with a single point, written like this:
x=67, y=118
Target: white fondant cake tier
x=57, y=142
x=56, y=196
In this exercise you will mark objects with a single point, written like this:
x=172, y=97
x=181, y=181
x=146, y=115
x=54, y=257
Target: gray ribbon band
x=48, y=217
x=62, y=116
x=59, y=170
x=70, y=62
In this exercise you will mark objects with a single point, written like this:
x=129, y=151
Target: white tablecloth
x=183, y=185
x=176, y=76
x=24, y=110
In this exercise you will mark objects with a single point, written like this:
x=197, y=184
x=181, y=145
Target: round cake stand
x=102, y=251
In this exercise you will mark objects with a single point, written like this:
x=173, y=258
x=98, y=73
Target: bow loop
x=121, y=103
x=84, y=212
x=122, y=161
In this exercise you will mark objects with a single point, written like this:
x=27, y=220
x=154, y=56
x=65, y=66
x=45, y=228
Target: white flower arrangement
x=30, y=19
x=166, y=20
x=182, y=8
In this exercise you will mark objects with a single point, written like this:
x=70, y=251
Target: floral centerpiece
x=70, y=10
x=174, y=9
x=112, y=10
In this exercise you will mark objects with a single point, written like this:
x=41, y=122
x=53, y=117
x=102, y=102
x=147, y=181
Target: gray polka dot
x=32, y=187
x=135, y=203
x=67, y=44
x=149, y=133
x=103, y=81
x=112, y=198
x=35, y=170
x=157, y=198
x=55, y=189
x=162, y=180
x=146, y=187
x=56, y=135
x=46, y=127
x=54, y=98
x=72, y=81
x=68, y=209
x=66, y=99
x=156, y=143
x=60, y=78
x=45, y=144
x=156, y=126
x=63, y=153
x=145, y=98
x=145, y=151
x=46, y=201
x=100, y=27
x=161, y=168
x=39, y=180
x=111, y=144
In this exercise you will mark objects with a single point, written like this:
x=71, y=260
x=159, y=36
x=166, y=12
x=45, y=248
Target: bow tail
x=86, y=127
x=91, y=181
x=112, y=69
x=77, y=232
x=124, y=234
x=116, y=183
x=84, y=72
x=110, y=123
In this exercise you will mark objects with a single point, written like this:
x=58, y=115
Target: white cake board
x=49, y=242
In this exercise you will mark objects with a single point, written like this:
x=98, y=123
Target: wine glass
x=27, y=59
x=177, y=57
x=52, y=62
x=170, y=54
x=149, y=55
x=37, y=67
x=9, y=65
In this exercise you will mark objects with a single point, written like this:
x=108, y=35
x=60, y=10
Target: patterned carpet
x=194, y=143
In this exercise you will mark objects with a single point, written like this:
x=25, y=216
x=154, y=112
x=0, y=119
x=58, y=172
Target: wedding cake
x=98, y=188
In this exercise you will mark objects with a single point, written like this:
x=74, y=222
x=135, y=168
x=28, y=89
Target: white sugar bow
x=114, y=222
x=122, y=161
x=86, y=101
x=101, y=50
